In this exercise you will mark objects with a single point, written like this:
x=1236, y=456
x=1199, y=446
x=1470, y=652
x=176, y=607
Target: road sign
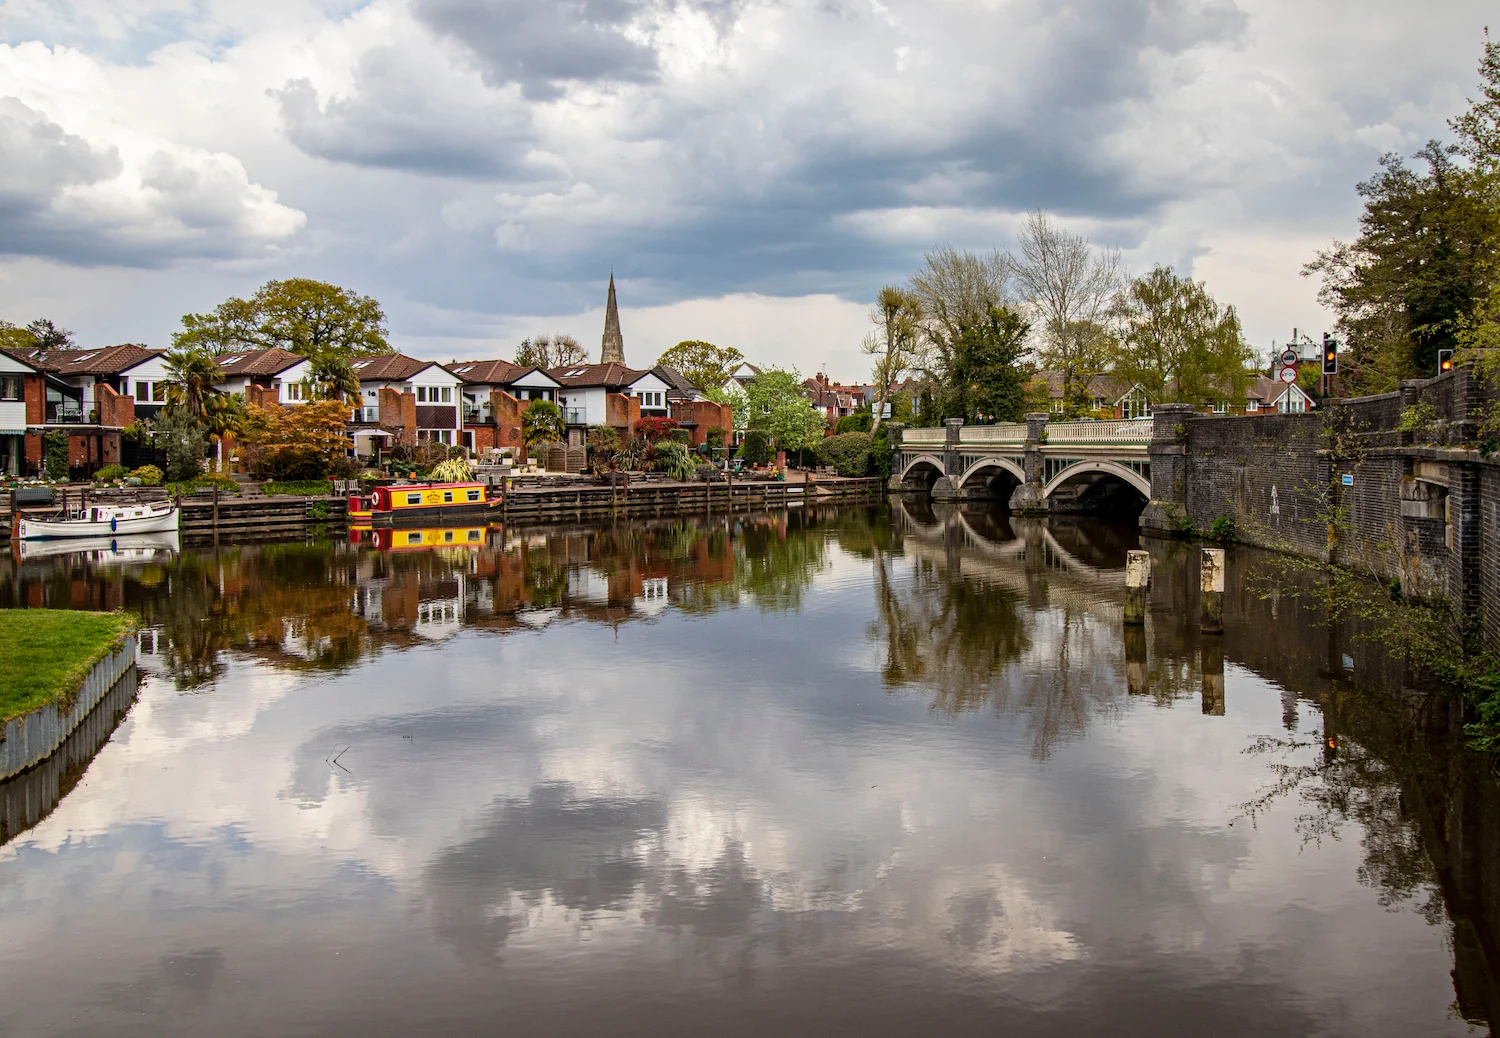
x=1287, y=375
x=1347, y=479
x=1289, y=356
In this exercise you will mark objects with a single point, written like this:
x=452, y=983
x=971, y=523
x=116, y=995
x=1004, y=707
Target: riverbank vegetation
x=48, y=654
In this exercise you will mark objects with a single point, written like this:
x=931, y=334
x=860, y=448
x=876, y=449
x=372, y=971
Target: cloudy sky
x=752, y=170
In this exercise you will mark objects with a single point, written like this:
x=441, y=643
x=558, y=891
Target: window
x=414, y=499
x=142, y=390
x=1221, y=407
x=447, y=497
x=475, y=535
x=294, y=391
x=158, y=392
x=421, y=394
x=415, y=537
x=447, y=394
x=12, y=387
x=473, y=495
x=448, y=536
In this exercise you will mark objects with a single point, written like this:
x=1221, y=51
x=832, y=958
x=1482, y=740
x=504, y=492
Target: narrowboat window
x=415, y=537
x=475, y=534
x=473, y=495
x=414, y=499
x=447, y=535
x=447, y=496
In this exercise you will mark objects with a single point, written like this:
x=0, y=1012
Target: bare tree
x=897, y=316
x=1070, y=288
x=550, y=351
x=957, y=289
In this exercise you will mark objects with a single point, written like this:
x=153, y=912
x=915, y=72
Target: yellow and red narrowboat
x=419, y=539
x=420, y=503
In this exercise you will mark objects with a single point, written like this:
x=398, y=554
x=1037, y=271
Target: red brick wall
x=33, y=449
x=507, y=411
x=706, y=414
x=621, y=411
x=262, y=396
x=115, y=411
x=35, y=401
x=398, y=411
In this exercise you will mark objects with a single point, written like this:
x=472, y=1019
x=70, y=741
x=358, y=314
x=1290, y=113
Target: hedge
x=847, y=453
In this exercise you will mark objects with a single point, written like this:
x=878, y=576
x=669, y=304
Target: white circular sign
x=1288, y=375
x=1289, y=356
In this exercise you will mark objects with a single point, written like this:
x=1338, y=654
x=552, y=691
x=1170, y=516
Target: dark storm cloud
x=539, y=45
x=393, y=119
x=40, y=160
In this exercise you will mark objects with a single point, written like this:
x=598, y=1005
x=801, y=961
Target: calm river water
x=866, y=771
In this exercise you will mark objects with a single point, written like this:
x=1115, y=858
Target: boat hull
x=43, y=529
x=424, y=515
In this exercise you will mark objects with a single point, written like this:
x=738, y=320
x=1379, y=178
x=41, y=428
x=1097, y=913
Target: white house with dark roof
x=585, y=386
x=273, y=368
x=438, y=393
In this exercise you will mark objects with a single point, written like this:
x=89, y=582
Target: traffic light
x=1330, y=355
x=1445, y=361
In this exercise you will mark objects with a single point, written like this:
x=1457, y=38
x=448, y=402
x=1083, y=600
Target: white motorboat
x=102, y=521
x=121, y=549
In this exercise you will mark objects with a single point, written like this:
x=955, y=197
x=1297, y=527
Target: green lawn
x=46, y=653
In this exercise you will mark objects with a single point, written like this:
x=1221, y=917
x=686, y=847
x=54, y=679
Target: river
x=874, y=771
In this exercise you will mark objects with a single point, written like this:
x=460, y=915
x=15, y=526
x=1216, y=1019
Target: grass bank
x=48, y=652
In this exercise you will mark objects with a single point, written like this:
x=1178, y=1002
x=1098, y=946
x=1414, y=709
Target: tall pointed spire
x=612, y=349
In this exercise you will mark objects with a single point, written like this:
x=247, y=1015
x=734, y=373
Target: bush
x=208, y=480
x=299, y=487
x=881, y=455
x=654, y=428
x=55, y=454
x=149, y=475
x=110, y=473
x=673, y=459
x=714, y=437
x=848, y=454
x=755, y=449
x=185, y=443
x=1222, y=528
x=454, y=470
x=857, y=422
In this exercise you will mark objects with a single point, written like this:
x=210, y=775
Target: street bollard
x=1137, y=583
x=1212, y=573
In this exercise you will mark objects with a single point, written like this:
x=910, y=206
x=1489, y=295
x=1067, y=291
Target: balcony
x=365, y=416
x=478, y=416
x=576, y=416
x=69, y=412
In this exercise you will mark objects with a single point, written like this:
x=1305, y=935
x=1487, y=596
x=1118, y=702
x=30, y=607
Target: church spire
x=612, y=349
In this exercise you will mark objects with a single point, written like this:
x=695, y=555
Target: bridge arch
x=998, y=464
x=1110, y=468
x=924, y=468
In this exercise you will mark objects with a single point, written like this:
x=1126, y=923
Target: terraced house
x=89, y=395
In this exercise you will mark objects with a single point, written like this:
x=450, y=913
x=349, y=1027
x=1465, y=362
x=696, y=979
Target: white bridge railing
x=923, y=436
x=1124, y=431
x=1005, y=432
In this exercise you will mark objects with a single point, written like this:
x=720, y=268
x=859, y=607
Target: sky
x=752, y=171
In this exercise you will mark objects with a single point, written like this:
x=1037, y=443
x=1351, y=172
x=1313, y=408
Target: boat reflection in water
x=124, y=548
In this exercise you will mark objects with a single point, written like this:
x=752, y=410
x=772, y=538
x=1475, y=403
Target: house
x=585, y=388
x=832, y=398
x=1102, y=394
x=87, y=394
x=745, y=373
x=495, y=392
x=413, y=400
x=271, y=370
x=1264, y=395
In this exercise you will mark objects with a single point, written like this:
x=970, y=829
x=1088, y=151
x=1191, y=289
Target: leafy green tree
x=183, y=437
x=312, y=318
x=777, y=408
x=898, y=321
x=332, y=378
x=191, y=375
x=49, y=336
x=542, y=423
x=224, y=414
x=732, y=394
x=1179, y=344
x=1478, y=132
x=550, y=351
x=14, y=338
x=1408, y=284
x=983, y=378
x=703, y=364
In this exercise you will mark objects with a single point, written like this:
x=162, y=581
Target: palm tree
x=191, y=375
x=224, y=414
x=332, y=378
x=541, y=423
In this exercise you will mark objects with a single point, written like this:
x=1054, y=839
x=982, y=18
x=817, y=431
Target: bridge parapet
x=1113, y=433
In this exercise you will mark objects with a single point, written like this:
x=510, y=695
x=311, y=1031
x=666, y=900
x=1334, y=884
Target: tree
x=182, y=436
x=309, y=317
x=550, y=351
x=542, y=423
x=897, y=318
x=1179, y=344
x=1405, y=287
x=777, y=408
x=332, y=378
x=191, y=375
x=13, y=338
x=1478, y=132
x=984, y=379
x=1069, y=288
x=303, y=442
x=702, y=363
x=224, y=414
x=49, y=336
x=733, y=394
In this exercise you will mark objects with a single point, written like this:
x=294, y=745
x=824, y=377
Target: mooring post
x=1137, y=581
x=1211, y=571
x=1137, y=682
x=216, y=516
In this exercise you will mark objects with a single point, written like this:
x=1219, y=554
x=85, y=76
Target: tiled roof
x=486, y=372
x=270, y=361
x=677, y=383
x=611, y=376
x=388, y=367
x=111, y=360
x=1103, y=387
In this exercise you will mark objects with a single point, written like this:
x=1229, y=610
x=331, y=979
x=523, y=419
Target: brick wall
x=36, y=396
x=398, y=413
x=115, y=411
x=704, y=414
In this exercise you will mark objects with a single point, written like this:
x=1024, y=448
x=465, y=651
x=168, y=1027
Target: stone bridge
x=1035, y=465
